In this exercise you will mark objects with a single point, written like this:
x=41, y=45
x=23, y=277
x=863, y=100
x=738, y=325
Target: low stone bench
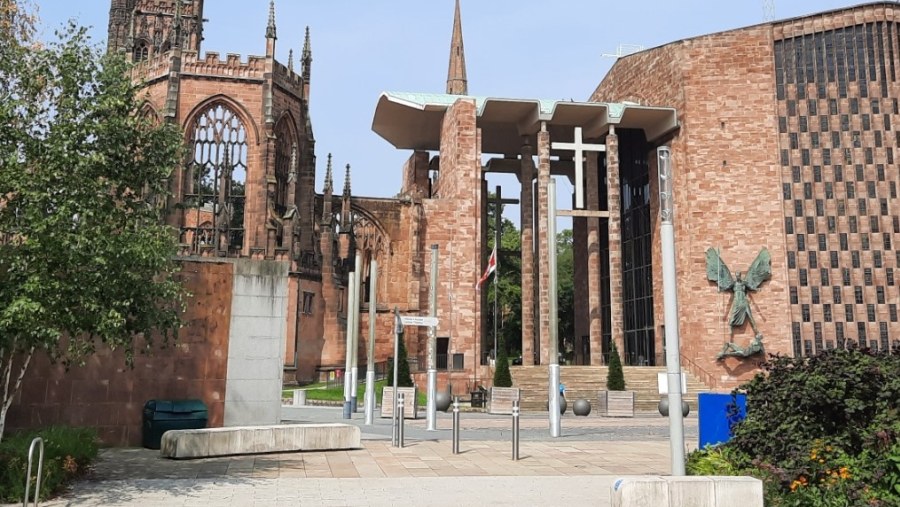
x=696, y=491
x=208, y=442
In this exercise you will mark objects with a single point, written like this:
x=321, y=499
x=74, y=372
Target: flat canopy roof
x=413, y=120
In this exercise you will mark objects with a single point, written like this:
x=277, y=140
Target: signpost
x=418, y=320
x=399, y=322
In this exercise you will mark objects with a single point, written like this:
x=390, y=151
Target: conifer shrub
x=502, y=377
x=404, y=379
x=615, y=377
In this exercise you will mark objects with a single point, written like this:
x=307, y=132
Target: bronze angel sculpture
x=759, y=272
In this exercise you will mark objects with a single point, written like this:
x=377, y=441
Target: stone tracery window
x=215, y=180
x=285, y=166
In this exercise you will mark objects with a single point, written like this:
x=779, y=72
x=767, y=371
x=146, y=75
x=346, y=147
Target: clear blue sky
x=514, y=48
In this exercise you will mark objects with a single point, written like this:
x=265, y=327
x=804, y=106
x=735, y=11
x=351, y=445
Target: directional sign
x=415, y=320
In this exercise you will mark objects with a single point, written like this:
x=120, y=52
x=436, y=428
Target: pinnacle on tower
x=457, y=84
x=270, y=28
x=290, y=64
x=329, y=181
x=347, y=182
x=306, y=57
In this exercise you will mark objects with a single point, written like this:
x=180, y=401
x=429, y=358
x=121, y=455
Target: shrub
x=404, y=379
x=502, y=377
x=68, y=452
x=615, y=378
x=820, y=431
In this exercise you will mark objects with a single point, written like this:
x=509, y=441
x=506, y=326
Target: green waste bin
x=161, y=416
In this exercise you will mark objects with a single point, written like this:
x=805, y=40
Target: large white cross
x=579, y=147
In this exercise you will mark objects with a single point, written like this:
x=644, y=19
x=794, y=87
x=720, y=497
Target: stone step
x=586, y=382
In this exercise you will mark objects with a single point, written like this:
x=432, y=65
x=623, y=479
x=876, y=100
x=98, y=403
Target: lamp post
x=670, y=303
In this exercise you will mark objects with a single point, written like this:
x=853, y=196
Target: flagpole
x=498, y=222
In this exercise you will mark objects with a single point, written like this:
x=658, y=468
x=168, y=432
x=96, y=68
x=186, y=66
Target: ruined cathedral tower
x=247, y=188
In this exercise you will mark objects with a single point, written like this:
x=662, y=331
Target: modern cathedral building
x=781, y=137
x=786, y=141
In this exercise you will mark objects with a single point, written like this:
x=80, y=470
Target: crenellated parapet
x=288, y=79
x=155, y=68
x=233, y=67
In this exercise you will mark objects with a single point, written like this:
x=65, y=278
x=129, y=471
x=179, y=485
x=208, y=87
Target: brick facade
x=770, y=149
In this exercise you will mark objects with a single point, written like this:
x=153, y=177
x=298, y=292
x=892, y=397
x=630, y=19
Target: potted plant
x=615, y=401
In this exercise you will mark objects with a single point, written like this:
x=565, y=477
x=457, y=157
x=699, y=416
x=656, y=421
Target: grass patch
x=324, y=393
x=68, y=452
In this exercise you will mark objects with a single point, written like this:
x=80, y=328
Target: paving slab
x=575, y=469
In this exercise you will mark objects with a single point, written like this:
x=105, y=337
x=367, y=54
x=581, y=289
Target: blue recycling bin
x=714, y=418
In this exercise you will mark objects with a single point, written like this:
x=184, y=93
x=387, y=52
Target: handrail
x=37, y=486
x=696, y=369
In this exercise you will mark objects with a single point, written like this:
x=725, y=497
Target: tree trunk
x=10, y=394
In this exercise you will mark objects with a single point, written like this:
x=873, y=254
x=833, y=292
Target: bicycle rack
x=37, y=486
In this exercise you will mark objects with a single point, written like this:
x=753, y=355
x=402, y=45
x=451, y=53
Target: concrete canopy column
x=544, y=242
x=613, y=192
x=593, y=260
x=526, y=177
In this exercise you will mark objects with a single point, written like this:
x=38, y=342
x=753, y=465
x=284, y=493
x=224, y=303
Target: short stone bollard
x=299, y=397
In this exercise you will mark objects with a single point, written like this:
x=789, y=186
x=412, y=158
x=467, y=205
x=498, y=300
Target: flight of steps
x=586, y=381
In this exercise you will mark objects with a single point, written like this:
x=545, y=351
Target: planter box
x=616, y=403
x=410, y=402
x=502, y=399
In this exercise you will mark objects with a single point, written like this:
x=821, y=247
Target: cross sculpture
x=579, y=147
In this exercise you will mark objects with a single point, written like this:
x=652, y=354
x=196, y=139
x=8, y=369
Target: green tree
x=565, y=288
x=509, y=326
x=615, y=377
x=83, y=252
x=404, y=379
x=502, y=377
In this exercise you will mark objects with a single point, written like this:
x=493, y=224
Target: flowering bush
x=820, y=431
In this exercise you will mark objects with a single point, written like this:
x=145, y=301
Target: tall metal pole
x=670, y=302
x=497, y=224
x=398, y=328
x=354, y=365
x=432, y=345
x=370, y=357
x=348, y=378
x=553, y=384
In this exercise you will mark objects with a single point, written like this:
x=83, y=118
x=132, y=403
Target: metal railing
x=38, y=441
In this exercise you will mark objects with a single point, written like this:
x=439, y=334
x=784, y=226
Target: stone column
x=526, y=177
x=544, y=243
x=593, y=259
x=615, y=240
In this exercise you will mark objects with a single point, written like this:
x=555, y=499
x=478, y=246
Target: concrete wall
x=256, y=343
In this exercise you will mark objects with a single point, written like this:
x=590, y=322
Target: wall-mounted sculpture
x=759, y=272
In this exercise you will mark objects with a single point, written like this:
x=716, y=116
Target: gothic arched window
x=141, y=51
x=215, y=181
x=285, y=165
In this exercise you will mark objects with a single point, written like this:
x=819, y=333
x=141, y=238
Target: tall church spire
x=457, y=84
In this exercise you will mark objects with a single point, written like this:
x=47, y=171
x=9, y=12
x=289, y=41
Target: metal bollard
x=401, y=419
x=515, y=431
x=456, y=425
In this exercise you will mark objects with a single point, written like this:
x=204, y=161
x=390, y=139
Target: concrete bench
x=208, y=442
x=696, y=491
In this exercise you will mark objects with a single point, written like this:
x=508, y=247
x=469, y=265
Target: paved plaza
x=577, y=468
